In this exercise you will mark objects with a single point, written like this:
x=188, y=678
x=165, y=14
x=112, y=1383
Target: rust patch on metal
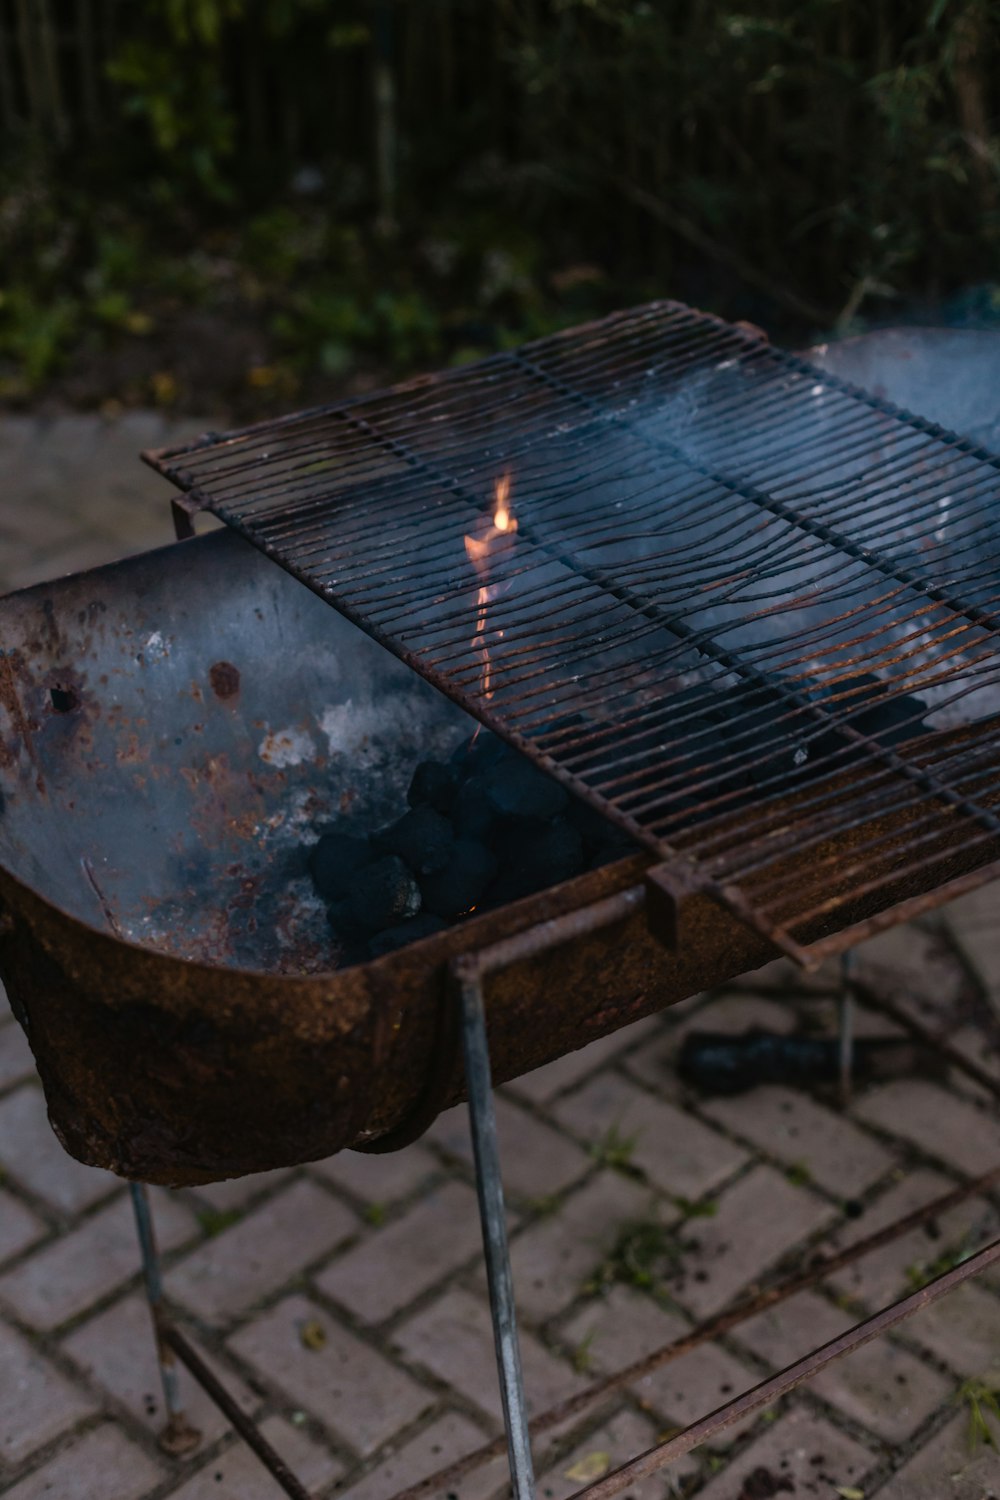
x=225, y=679
x=12, y=703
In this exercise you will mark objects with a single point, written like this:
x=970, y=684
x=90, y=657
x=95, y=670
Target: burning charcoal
x=422, y=837
x=335, y=861
x=433, y=784
x=473, y=815
x=480, y=752
x=421, y=926
x=453, y=891
x=515, y=789
x=533, y=859
x=383, y=894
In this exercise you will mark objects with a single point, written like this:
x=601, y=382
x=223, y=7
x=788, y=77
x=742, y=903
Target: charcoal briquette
x=472, y=815
x=462, y=883
x=421, y=926
x=480, y=752
x=434, y=784
x=384, y=894
x=422, y=837
x=335, y=860
x=542, y=857
x=516, y=789
x=600, y=836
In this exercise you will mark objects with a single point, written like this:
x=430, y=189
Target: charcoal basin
x=174, y=730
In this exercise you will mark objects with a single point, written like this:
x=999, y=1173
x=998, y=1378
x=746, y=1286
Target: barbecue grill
x=743, y=609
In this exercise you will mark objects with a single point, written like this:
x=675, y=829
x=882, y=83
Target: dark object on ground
x=335, y=861
x=761, y=1484
x=717, y=1063
x=384, y=893
x=433, y=784
x=455, y=890
x=421, y=837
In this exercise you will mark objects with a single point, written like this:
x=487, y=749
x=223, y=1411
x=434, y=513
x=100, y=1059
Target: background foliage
x=252, y=198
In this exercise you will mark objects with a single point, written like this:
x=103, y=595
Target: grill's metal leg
x=491, y=1213
x=845, y=1026
x=178, y=1437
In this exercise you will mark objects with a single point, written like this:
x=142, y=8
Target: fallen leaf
x=312, y=1335
x=592, y=1466
x=850, y=1492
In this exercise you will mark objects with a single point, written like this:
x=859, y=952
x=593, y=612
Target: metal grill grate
x=748, y=611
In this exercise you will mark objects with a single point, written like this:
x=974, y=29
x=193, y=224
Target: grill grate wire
x=749, y=612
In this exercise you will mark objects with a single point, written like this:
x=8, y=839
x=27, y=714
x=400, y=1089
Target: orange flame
x=479, y=551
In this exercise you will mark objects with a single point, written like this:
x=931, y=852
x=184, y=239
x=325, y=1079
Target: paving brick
x=963, y=1330
x=545, y=1083
x=947, y=1467
x=981, y=946
x=626, y=1325
x=19, y=1227
x=356, y=1392
x=612, y=1444
x=535, y=1160
x=789, y=1125
x=38, y=1402
x=759, y=1219
x=32, y=1156
x=984, y=1052
x=16, y=1061
x=117, y=1352
x=656, y=1064
x=881, y=1277
x=70, y=1274
x=235, y=1269
x=882, y=1386
x=946, y=1128
x=379, y=1179
x=448, y=1438
x=807, y=1452
x=75, y=557
x=103, y=1465
x=552, y=1258
x=918, y=967
x=453, y=1338
x=238, y=1474
x=390, y=1267
x=676, y=1152
x=235, y=1193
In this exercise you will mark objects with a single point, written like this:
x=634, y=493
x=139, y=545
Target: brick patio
x=344, y=1302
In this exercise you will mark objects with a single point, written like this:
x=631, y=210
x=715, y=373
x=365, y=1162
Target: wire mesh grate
x=748, y=611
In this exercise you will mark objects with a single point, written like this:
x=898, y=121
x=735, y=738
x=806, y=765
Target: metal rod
x=845, y=1027
x=786, y=1380
x=818, y=1270
x=178, y=1437
x=482, y=1118
x=244, y=1425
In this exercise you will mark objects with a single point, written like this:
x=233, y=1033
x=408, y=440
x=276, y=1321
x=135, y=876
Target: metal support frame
x=467, y=976
x=489, y=1188
x=845, y=1026
x=178, y=1437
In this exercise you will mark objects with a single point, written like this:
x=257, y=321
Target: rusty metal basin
x=174, y=729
